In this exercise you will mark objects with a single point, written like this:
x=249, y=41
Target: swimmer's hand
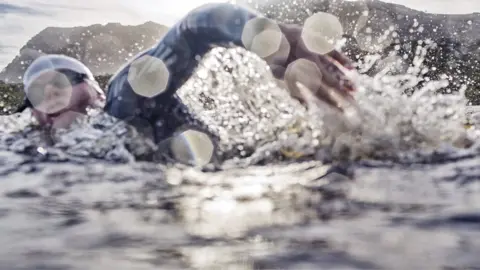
x=324, y=74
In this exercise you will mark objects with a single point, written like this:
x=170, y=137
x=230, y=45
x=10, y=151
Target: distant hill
x=103, y=48
x=408, y=23
x=457, y=37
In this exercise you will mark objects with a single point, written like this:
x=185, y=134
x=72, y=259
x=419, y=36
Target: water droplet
x=41, y=151
x=321, y=32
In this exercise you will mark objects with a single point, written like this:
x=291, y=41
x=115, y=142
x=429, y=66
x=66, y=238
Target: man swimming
x=58, y=88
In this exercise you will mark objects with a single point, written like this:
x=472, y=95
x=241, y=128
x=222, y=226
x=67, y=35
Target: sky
x=22, y=19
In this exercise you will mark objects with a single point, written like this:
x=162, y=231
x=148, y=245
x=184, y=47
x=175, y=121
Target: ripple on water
x=83, y=200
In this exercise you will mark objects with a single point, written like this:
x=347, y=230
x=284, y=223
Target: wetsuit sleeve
x=180, y=50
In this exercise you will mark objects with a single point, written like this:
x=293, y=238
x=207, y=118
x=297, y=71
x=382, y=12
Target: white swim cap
x=51, y=62
x=54, y=62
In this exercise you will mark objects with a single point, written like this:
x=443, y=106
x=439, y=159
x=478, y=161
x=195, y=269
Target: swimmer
x=59, y=88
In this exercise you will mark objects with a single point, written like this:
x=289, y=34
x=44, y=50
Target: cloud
x=10, y=8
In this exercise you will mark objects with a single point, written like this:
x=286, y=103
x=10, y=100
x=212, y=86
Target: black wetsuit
x=180, y=50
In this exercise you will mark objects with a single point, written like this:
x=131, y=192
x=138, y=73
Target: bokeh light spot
x=321, y=32
x=50, y=92
x=192, y=147
x=305, y=72
x=264, y=37
x=148, y=76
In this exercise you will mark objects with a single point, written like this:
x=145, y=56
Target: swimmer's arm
x=180, y=50
x=184, y=45
x=223, y=25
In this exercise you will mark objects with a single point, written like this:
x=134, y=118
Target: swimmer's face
x=58, y=99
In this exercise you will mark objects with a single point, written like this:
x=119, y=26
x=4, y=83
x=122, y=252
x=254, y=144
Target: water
x=397, y=192
x=392, y=185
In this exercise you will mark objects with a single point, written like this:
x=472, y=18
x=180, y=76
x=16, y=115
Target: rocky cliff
x=357, y=16
x=375, y=27
x=103, y=48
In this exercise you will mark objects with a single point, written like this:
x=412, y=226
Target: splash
x=255, y=120
x=247, y=108
x=407, y=109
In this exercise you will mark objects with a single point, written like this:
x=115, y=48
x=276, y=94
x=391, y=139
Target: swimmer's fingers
x=311, y=76
x=330, y=96
x=333, y=76
x=321, y=96
x=341, y=59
